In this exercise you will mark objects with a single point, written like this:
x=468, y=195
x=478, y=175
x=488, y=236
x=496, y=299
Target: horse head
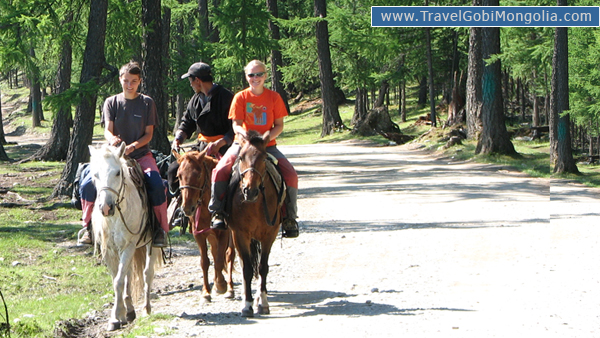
x=108, y=176
x=194, y=178
x=252, y=167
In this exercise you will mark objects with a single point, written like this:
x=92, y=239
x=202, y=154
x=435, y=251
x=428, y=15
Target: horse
x=194, y=173
x=254, y=218
x=120, y=216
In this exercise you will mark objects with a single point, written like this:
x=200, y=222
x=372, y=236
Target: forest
x=69, y=51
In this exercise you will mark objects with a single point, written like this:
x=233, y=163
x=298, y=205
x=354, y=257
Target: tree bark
x=153, y=69
x=403, y=101
x=360, y=106
x=57, y=147
x=474, y=74
x=3, y=155
x=494, y=136
x=331, y=114
x=430, y=78
x=203, y=18
x=35, y=94
x=382, y=92
x=276, y=57
x=2, y=136
x=83, y=125
x=561, y=155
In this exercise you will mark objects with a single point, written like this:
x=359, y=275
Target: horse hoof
x=248, y=313
x=229, y=295
x=113, y=326
x=131, y=316
x=263, y=310
x=207, y=298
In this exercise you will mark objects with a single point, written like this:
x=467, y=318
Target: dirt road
x=397, y=243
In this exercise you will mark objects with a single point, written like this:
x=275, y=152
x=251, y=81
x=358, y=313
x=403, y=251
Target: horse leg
x=118, y=316
x=230, y=259
x=262, y=304
x=205, y=264
x=129, y=308
x=152, y=255
x=243, y=247
x=217, y=248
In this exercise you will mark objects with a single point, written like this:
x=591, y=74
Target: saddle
x=137, y=176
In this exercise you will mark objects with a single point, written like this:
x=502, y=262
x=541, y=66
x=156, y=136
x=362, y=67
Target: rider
x=130, y=117
x=206, y=112
x=261, y=109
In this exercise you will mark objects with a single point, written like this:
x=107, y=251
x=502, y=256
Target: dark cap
x=198, y=69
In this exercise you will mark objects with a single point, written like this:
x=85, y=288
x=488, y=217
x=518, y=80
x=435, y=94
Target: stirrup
x=218, y=222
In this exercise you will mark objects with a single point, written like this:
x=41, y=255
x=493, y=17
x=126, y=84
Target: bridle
x=261, y=187
x=120, y=199
x=202, y=188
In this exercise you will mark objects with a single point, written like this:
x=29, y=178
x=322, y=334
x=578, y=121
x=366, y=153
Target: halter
x=120, y=199
x=201, y=189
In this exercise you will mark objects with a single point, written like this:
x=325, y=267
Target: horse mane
x=256, y=139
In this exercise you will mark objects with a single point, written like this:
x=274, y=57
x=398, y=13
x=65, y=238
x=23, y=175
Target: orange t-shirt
x=258, y=112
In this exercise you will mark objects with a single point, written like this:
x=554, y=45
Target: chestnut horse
x=252, y=207
x=194, y=173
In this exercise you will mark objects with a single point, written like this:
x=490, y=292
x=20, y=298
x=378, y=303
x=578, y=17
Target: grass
x=45, y=281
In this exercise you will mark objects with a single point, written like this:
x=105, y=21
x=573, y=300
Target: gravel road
x=396, y=242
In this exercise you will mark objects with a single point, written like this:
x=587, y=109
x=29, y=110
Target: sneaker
x=290, y=228
x=83, y=237
x=158, y=241
x=218, y=222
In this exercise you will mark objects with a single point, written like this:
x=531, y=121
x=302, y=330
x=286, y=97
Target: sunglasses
x=256, y=74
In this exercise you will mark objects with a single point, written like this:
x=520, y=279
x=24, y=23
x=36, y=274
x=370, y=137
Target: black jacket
x=210, y=118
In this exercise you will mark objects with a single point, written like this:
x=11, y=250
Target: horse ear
x=92, y=150
x=121, y=149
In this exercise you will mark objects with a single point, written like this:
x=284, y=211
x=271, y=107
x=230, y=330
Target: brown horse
x=253, y=206
x=194, y=173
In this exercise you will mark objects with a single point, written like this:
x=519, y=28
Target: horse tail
x=137, y=273
x=255, y=250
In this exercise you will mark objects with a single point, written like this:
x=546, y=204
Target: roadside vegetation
x=45, y=279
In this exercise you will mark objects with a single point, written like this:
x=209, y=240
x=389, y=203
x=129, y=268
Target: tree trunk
x=561, y=155
x=276, y=58
x=153, y=69
x=360, y=106
x=422, y=91
x=83, y=126
x=403, y=101
x=180, y=100
x=494, y=136
x=203, y=18
x=474, y=74
x=430, y=78
x=35, y=94
x=382, y=91
x=331, y=115
x=2, y=136
x=57, y=147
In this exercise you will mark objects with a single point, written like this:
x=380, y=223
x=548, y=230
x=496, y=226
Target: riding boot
x=158, y=238
x=289, y=224
x=216, y=205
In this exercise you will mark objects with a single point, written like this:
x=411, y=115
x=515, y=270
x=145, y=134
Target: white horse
x=119, y=223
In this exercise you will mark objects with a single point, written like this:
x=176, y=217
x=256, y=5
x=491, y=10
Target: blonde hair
x=254, y=63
